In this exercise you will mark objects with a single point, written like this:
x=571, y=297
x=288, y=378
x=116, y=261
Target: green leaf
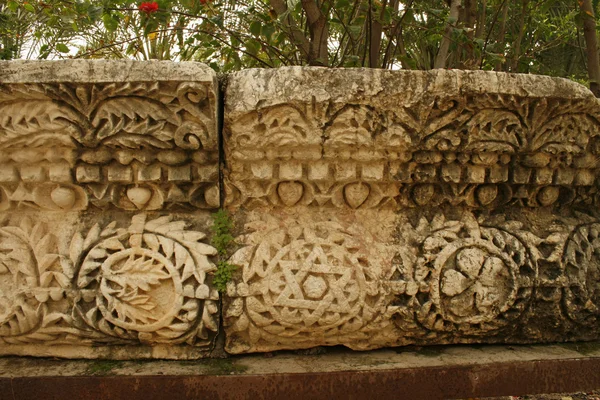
x=62, y=48
x=12, y=6
x=280, y=38
x=94, y=12
x=131, y=49
x=268, y=30
x=28, y=7
x=387, y=16
x=217, y=20
x=355, y=29
x=151, y=26
x=111, y=22
x=252, y=46
x=255, y=27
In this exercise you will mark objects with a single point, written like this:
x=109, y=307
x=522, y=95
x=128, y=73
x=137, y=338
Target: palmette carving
x=133, y=146
x=125, y=115
x=481, y=151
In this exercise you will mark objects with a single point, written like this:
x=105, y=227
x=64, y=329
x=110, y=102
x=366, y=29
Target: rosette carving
x=472, y=278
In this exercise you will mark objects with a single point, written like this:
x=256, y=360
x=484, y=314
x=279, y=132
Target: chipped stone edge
x=96, y=71
x=253, y=89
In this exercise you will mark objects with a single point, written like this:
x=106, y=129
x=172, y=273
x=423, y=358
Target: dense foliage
x=536, y=36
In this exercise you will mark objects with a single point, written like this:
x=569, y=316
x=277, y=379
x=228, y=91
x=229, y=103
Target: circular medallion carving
x=146, y=283
x=315, y=282
x=480, y=280
x=581, y=260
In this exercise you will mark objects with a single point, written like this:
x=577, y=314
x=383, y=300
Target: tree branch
x=440, y=61
x=318, y=27
x=296, y=34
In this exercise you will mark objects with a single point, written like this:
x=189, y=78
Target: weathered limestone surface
x=107, y=173
x=373, y=209
x=387, y=208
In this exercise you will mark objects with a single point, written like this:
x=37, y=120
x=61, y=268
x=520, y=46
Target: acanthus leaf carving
x=64, y=142
x=31, y=276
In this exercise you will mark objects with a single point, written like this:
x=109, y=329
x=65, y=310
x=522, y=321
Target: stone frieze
x=392, y=208
x=372, y=209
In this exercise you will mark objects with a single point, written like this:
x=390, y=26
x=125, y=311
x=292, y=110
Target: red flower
x=203, y=1
x=149, y=7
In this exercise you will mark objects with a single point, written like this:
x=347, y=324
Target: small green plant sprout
x=223, y=275
x=223, y=241
x=222, y=227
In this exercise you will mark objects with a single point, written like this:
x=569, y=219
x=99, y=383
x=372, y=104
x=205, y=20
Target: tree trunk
x=296, y=35
x=442, y=56
x=502, y=34
x=375, y=39
x=514, y=65
x=481, y=16
x=318, y=27
x=480, y=30
x=591, y=44
x=468, y=19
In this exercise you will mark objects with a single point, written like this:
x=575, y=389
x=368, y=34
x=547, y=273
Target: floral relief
x=132, y=145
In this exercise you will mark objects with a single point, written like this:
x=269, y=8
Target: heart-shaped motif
x=486, y=194
x=356, y=194
x=139, y=196
x=212, y=196
x=422, y=194
x=548, y=195
x=290, y=193
x=63, y=197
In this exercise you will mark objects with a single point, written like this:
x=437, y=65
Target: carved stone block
x=88, y=149
x=382, y=208
x=108, y=135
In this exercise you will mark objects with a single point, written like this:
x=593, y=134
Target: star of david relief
x=318, y=287
x=304, y=283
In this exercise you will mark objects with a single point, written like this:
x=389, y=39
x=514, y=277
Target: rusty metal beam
x=488, y=380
